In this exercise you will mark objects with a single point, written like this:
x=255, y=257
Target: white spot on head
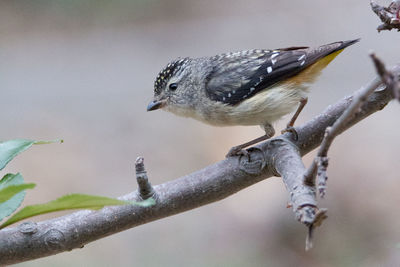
x=301, y=57
x=269, y=69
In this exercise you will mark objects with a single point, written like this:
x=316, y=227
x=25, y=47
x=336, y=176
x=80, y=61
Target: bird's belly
x=267, y=106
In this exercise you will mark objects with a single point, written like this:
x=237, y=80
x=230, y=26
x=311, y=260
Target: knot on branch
x=28, y=228
x=54, y=239
x=254, y=162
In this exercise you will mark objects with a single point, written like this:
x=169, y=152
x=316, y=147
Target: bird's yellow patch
x=309, y=74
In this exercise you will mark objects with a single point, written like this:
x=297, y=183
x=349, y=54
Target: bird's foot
x=291, y=129
x=237, y=151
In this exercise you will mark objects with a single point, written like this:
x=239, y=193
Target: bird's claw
x=291, y=129
x=237, y=151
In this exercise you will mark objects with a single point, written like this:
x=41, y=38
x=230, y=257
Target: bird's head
x=172, y=87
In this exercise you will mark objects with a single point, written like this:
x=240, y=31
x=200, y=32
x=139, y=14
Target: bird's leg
x=289, y=126
x=238, y=150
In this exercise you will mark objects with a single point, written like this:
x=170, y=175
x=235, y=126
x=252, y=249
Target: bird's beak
x=155, y=104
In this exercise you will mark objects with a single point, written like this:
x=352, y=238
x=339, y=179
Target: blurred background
x=83, y=71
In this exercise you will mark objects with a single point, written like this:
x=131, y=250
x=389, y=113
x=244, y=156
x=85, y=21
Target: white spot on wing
x=301, y=57
x=229, y=95
x=302, y=63
x=257, y=83
x=274, y=55
x=269, y=69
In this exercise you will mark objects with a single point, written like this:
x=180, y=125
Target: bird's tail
x=319, y=58
x=330, y=49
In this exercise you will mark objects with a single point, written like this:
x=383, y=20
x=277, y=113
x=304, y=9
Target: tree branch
x=319, y=166
x=390, y=79
x=278, y=156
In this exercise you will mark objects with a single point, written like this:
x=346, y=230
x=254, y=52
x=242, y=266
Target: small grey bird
x=251, y=87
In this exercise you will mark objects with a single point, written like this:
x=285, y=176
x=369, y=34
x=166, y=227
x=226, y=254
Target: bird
x=248, y=87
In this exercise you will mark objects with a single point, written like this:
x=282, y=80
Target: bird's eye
x=173, y=86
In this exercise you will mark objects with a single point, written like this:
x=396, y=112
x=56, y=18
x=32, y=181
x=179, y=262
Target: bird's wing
x=238, y=76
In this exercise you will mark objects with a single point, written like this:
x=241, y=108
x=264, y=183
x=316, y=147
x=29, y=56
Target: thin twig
x=146, y=190
x=321, y=161
x=388, y=77
x=320, y=216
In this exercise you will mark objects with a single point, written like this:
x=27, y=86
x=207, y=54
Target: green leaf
x=9, y=206
x=69, y=202
x=48, y=142
x=10, y=149
x=10, y=191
